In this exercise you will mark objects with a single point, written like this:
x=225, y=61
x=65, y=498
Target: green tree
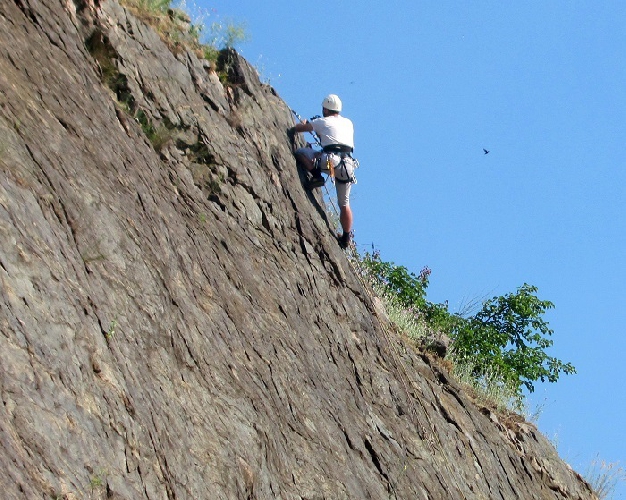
x=508, y=337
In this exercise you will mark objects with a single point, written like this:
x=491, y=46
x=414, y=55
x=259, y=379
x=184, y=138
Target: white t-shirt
x=334, y=129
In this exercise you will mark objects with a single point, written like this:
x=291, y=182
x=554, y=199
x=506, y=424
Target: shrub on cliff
x=499, y=350
x=408, y=290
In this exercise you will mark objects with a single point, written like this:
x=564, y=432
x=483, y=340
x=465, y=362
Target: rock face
x=177, y=320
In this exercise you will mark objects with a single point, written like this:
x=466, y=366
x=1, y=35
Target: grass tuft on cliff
x=180, y=32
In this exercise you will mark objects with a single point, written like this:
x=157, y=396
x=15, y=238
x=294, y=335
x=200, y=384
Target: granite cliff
x=177, y=319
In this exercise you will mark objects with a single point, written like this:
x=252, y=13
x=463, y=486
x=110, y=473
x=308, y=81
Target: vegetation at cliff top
x=177, y=29
x=604, y=477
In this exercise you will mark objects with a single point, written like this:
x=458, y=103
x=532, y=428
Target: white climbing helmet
x=332, y=103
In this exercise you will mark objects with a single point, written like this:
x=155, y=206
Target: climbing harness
x=340, y=165
x=330, y=166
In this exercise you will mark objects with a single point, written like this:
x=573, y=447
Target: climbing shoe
x=345, y=239
x=316, y=181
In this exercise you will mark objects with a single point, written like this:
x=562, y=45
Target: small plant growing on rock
x=97, y=482
x=110, y=333
x=408, y=290
x=158, y=135
x=101, y=50
x=149, y=6
x=604, y=477
x=227, y=35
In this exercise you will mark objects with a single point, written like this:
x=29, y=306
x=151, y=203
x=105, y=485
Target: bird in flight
x=486, y=152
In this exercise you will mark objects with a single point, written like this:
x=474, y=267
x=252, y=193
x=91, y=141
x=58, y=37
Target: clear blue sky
x=542, y=86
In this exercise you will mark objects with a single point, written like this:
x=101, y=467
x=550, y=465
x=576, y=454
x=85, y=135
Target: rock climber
x=336, y=137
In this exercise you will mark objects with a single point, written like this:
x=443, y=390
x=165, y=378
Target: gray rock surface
x=177, y=320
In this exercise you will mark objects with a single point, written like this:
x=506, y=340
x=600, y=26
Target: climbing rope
x=432, y=439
